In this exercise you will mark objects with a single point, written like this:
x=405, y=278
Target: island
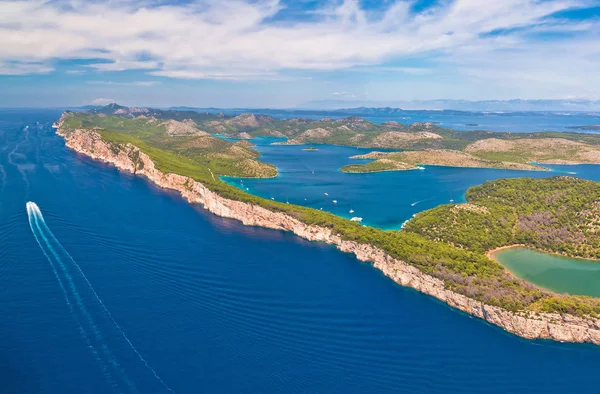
x=509, y=154
x=410, y=160
x=441, y=252
x=593, y=127
x=379, y=165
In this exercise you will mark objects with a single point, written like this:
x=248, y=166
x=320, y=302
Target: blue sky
x=281, y=53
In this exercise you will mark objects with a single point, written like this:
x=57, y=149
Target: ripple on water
x=218, y=307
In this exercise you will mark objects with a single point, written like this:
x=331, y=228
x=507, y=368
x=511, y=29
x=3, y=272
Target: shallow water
x=555, y=273
x=214, y=306
x=384, y=199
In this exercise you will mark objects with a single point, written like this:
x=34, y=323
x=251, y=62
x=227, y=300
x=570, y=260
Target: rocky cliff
x=559, y=327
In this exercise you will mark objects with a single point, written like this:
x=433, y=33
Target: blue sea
x=116, y=286
x=385, y=199
x=514, y=122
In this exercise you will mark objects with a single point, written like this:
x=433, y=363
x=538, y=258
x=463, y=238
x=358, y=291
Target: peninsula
x=441, y=252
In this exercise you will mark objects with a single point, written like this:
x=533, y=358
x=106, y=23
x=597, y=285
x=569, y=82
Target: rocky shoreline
x=530, y=325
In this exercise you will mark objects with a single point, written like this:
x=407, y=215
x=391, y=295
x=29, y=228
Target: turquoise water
x=555, y=273
x=116, y=286
x=384, y=199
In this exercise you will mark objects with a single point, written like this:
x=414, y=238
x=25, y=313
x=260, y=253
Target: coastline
x=490, y=253
x=530, y=325
x=370, y=172
x=418, y=166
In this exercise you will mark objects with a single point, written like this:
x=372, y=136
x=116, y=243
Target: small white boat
x=335, y=201
x=326, y=194
x=356, y=219
x=247, y=189
x=352, y=211
x=272, y=199
x=420, y=168
x=451, y=200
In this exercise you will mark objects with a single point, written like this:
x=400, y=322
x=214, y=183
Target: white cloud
x=235, y=40
x=132, y=83
x=122, y=65
x=103, y=101
x=349, y=95
x=392, y=69
x=233, y=75
x=23, y=68
x=345, y=95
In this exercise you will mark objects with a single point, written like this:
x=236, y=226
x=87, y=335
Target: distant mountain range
x=459, y=105
x=448, y=107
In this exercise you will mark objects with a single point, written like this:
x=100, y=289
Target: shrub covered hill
x=429, y=144
x=176, y=134
x=559, y=214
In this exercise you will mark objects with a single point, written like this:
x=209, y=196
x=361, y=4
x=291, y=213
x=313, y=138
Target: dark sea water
x=130, y=289
x=384, y=199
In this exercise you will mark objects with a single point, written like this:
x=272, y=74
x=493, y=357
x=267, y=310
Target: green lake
x=555, y=273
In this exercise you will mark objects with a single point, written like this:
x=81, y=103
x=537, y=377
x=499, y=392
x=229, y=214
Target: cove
x=556, y=273
x=383, y=199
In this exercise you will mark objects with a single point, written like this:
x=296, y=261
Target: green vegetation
x=559, y=215
x=389, y=161
x=448, y=242
x=209, y=152
x=519, y=148
x=542, y=150
x=378, y=166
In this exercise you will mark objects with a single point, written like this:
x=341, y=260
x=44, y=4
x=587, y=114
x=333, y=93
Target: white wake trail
x=15, y=152
x=49, y=238
x=90, y=334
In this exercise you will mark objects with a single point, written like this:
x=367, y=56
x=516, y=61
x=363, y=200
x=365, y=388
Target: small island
x=516, y=154
x=410, y=160
x=593, y=127
x=378, y=165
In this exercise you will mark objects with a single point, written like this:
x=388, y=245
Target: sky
x=282, y=53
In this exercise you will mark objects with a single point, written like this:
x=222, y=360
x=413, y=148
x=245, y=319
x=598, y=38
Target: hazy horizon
x=516, y=105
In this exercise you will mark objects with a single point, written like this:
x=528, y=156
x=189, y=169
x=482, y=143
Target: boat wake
x=91, y=314
x=14, y=153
